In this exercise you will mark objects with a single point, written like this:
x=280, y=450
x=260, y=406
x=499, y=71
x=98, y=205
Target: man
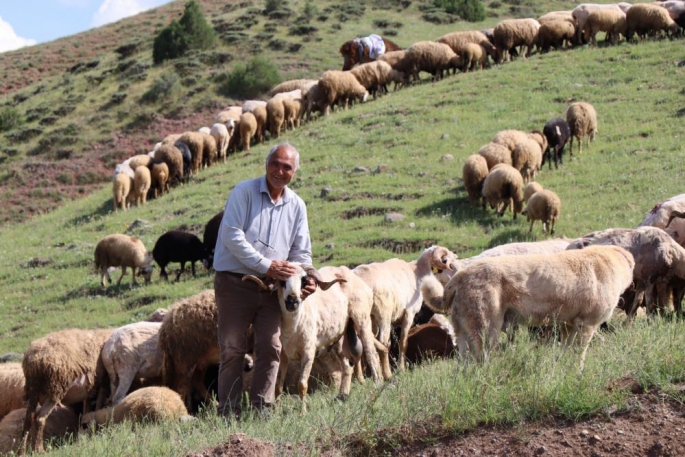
x=264, y=228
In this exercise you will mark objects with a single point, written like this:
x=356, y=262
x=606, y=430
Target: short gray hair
x=287, y=146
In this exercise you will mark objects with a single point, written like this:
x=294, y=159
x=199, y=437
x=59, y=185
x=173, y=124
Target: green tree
x=170, y=43
x=190, y=32
x=468, y=10
x=251, y=80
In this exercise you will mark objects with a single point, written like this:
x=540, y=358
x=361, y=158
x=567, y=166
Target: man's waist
x=240, y=275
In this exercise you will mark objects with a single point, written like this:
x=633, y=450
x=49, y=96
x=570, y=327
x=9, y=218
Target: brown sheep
x=511, y=33
x=458, y=40
x=553, y=34
x=339, y=87
x=474, y=172
x=160, y=178
x=530, y=189
x=139, y=160
x=644, y=18
x=261, y=118
x=527, y=158
x=292, y=108
x=196, y=144
x=504, y=185
x=612, y=22
x=544, y=206
x=471, y=57
x=169, y=154
x=582, y=120
x=121, y=188
x=275, y=112
x=60, y=424
x=248, y=128
x=431, y=57
x=149, y=404
x=11, y=388
x=209, y=150
x=141, y=184
x=122, y=251
x=495, y=153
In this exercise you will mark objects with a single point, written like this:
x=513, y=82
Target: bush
x=9, y=119
x=301, y=30
x=191, y=32
x=272, y=5
x=251, y=80
x=468, y=10
x=163, y=88
x=170, y=43
x=309, y=11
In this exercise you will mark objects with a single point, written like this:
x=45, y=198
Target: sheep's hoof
x=342, y=397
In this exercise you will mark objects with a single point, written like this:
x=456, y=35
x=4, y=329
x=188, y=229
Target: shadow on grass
x=460, y=211
x=512, y=235
x=102, y=210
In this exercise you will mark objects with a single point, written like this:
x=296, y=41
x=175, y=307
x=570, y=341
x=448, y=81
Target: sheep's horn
x=438, y=259
x=314, y=274
x=259, y=282
x=673, y=215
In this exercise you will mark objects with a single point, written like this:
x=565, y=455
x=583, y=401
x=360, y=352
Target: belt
x=239, y=275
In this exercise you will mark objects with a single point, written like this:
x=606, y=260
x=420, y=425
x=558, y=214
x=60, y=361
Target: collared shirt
x=256, y=230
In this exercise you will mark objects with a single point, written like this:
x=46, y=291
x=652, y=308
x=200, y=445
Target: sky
x=29, y=22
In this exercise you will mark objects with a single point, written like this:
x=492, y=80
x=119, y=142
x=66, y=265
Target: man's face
x=281, y=168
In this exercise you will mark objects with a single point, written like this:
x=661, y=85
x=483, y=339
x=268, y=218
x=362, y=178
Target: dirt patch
x=399, y=246
x=396, y=197
x=362, y=211
x=143, y=301
x=238, y=445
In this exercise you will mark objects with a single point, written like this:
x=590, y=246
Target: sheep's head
x=443, y=263
x=146, y=270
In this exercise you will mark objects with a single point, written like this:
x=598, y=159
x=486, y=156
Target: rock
x=11, y=357
x=330, y=246
x=139, y=224
x=584, y=433
x=325, y=191
x=446, y=158
x=422, y=174
x=360, y=170
x=444, y=136
x=394, y=217
x=541, y=450
x=412, y=225
x=37, y=262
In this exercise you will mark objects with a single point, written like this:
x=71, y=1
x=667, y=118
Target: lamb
x=645, y=18
x=504, y=185
x=291, y=85
x=610, y=21
x=211, y=233
x=187, y=157
x=470, y=57
x=60, y=369
x=474, y=172
x=431, y=57
x=527, y=158
x=530, y=189
x=582, y=11
x=159, y=178
x=131, y=352
x=248, y=129
x=317, y=323
x=582, y=121
x=659, y=260
x=664, y=216
x=578, y=289
x=178, y=246
x=141, y=184
x=122, y=251
x=11, y=388
x=553, y=34
x=375, y=76
x=261, y=118
x=196, y=144
x=544, y=206
x=170, y=155
x=458, y=41
x=339, y=87
x=291, y=111
x=396, y=286
x=60, y=424
x=221, y=137
x=557, y=133
x=149, y=404
x=495, y=153
x=428, y=341
x=121, y=187
x=511, y=33
x=275, y=113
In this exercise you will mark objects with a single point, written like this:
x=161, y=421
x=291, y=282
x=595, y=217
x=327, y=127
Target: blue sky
x=28, y=22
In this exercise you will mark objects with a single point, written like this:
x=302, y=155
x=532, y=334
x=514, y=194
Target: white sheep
x=473, y=173
x=289, y=86
x=431, y=57
x=544, y=247
x=123, y=251
x=11, y=388
x=495, y=153
x=131, y=352
x=644, y=18
x=582, y=120
x=396, y=286
x=504, y=186
x=62, y=422
x=121, y=188
x=511, y=33
x=527, y=158
x=665, y=215
x=149, y=404
x=582, y=11
x=222, y=137
x=577, y=289
x=60, y=369
x=340, y=87
x=141, y=184
x=544, y=206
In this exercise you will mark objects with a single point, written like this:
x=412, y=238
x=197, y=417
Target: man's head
x=281, y=164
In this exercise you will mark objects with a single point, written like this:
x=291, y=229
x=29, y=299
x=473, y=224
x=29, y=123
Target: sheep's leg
x=180, y=272
x=585, y=334
x=123, y=272
x=531, y=226
x=45, y=411
x=407, y=320
x=119, y=391
x=570, y=146
x=359, y=372
x=29, y=423
x=303, y=385
x=384, y=340
x=282, y=373
x=365, y=332
x=342, y=364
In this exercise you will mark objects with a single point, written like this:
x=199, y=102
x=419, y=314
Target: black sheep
x=187, y=158
x=557, y=133
x=178, y=246
x=211, y=234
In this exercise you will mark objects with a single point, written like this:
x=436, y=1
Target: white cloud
x=9, y=40
x=113, y=10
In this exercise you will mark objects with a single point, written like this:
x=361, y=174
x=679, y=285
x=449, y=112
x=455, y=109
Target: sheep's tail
x=352, y=345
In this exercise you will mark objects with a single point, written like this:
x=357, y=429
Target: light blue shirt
x=255, y=230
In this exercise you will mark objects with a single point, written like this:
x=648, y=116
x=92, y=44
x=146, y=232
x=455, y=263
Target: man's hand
x=309, y=288
x=280, y=269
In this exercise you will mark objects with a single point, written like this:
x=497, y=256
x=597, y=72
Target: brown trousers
x=240, y=304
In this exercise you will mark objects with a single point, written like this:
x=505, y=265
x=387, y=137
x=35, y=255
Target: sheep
x=11, y=388
x=539, y=137
x=60, y=424
x=530, y=189
x=431, y=57
x=510, y=138
x=288, y=86
x=170, y=155
x=557, y=16
x=60, y=368
x=544, y=206
x=122, y=251
x=578, y=289
x=474, y=172
x=121, y=187
x=553, y=34
x=457, y=41
x=659, y=260
x=205, y=130
x=211, y=233
x=149, y=404
x=261, y=118
x=189, y=344
x=510, y=33
x=317, y=323
x=187, y=157
x=472, y=56
x=234, y=142
x=232, y=113
x=339, y=87
x=676, y=9
x=124, y=168
x=504, y=185
x=139, y=160
x=129, y=353
x=291, y=111
x=645, y=18
x=196, y=144
x=527, y=158
x=248, y=129
x=397, y=296
x=221, y=137
x=582, y=121
x=375, y=76
x=179, y=246
x=159, y=178
x=250, y=105
x=209, y=150
x=141, y=184
x=582, y=11
x=612, y=22
x=557, y=133
x=428, y=341
x=495, y=153
x=313, y=99
x=275, y=111
x=665, y=215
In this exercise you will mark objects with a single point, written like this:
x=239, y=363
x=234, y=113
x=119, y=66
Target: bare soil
x=653, y=425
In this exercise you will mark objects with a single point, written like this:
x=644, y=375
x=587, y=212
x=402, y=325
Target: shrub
x=272, y=5
x=251, y=80
x=9, y=119
x=170, y=43
x=469, y=10
x=301, y=30
x=163, y=88
x=309, y=11
x=191, y=32
x=126, y=50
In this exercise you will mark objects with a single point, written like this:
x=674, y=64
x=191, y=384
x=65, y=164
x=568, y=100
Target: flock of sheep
x=154, y=370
